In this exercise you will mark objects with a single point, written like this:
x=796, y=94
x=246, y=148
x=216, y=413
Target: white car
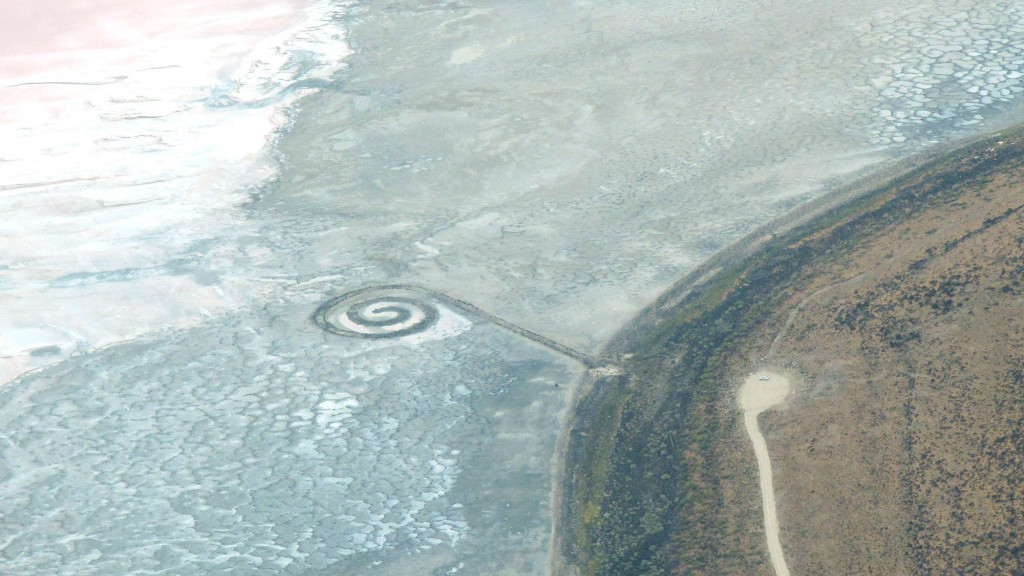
x=763, y=378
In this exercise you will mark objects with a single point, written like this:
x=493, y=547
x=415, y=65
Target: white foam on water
x=128, y=132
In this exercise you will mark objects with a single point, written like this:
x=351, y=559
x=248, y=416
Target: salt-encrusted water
x=207, y=189
x=132, y=132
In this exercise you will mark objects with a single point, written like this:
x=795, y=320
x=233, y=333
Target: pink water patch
x=52, y=40
x=54, y=25
x=128, y=131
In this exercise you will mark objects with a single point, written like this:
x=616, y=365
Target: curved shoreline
x=698, y=315
x=644, y=321
x=870, y=181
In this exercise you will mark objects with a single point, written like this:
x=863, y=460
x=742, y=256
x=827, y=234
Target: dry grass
x=904, y=450
x=898, y=318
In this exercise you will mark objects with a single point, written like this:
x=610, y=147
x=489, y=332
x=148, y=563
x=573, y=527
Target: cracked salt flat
x=573, y=163
x=944, y=65
x=574, y=168
x=261, y=444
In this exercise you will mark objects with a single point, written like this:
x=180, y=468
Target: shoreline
x=842, y=198
x=644, y=321
x=680, y=306
x=121, y=120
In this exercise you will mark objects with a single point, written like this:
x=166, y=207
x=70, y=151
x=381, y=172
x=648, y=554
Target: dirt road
x=757, y=395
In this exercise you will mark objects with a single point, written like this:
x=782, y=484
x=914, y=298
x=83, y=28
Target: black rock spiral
x=376, y=313
x=396, y=310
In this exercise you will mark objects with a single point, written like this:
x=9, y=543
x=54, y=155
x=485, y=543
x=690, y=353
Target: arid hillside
x=906, y=442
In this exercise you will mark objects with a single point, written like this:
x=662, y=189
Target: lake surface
x=183, y=188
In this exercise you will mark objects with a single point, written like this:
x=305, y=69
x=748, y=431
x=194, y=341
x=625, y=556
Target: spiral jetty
x=396, y=310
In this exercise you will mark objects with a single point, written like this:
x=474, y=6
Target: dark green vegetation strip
x=642, y=493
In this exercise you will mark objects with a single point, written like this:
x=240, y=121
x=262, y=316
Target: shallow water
x=554, y=165
x=131, y=134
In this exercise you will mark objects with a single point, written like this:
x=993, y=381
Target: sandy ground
x=755, y=397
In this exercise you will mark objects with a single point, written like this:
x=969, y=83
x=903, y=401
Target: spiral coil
x=396, y=310
x=376, y=313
